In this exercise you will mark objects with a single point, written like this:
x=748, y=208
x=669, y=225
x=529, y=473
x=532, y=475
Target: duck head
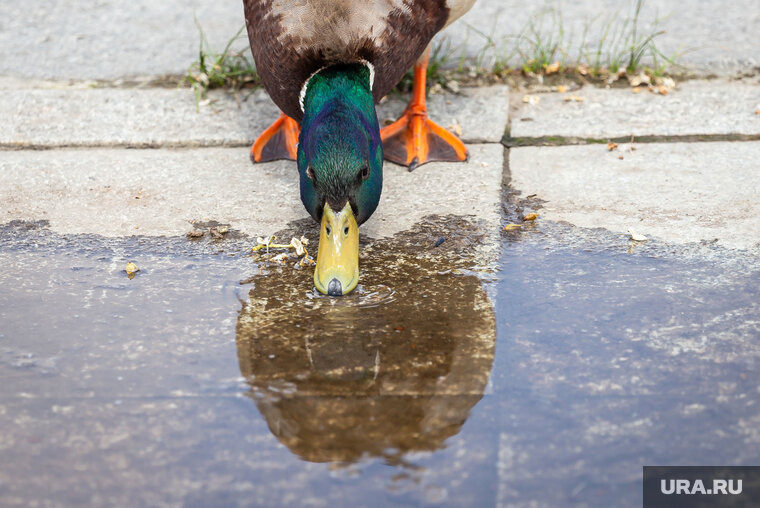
x=340, y=164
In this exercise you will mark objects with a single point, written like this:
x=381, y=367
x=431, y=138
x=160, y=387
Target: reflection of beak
x=337, y=271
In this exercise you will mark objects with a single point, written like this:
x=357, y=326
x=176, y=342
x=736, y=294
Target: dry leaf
x=298, y=246
x=668, y=83
x=531, y=99
x=131, y=269
x=561, y=88
x=455, y=128
x=641, y=78
x=636, y=89
x=582, y=69
x=511, y=227
x=620, y=157
x=280, y=258
x=530, y=216
x=637, y=237
x=552, y=68
x=306, y=261
x=223, y=229
x=195, y=233
x=611, y=146
x=453, y=86
x=573, y=98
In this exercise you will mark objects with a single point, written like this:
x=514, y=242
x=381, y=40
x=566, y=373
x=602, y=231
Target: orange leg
x=414, y=139
x=278, y=141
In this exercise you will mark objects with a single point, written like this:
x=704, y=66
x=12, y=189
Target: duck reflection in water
x=393, y=368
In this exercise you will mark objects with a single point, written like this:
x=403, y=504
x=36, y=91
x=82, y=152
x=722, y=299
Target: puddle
x=381, y=373
x=440, y=381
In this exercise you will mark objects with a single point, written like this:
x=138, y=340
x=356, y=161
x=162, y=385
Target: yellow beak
x=337, y=271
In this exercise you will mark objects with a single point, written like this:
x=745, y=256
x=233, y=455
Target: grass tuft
x=226, y=69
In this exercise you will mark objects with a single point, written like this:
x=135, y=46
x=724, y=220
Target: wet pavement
x=543, y=369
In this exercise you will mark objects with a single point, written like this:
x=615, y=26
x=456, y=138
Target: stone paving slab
x=81, y=39
x=120, y=192
x=694, y=108
x=677, y=192
x=157, y=117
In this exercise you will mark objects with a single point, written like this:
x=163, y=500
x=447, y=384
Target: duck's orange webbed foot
x=278, y=141
x=414, y=139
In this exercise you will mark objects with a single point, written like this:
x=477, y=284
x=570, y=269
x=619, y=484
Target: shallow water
x=549, y=370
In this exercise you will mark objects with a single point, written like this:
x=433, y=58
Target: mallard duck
x=325, y=63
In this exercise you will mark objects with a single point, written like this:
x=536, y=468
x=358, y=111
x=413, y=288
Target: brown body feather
x=292, y=39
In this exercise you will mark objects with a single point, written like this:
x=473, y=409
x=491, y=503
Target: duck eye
x=365, y=172
x=310, y=173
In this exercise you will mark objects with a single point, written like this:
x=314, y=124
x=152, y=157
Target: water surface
x=549, y=372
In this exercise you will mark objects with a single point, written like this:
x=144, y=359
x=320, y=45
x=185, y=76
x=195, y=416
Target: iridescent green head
x=340, y=162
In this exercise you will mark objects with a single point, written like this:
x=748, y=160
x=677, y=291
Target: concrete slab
x=111, y=40
x=676, y=192
x=168, y=117
x=121, y=192
x=106, y=40
x=694, y=108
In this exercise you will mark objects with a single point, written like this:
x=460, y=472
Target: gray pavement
x=161, y=192
x=678, y=192
x=694, y=108
x=156, y=117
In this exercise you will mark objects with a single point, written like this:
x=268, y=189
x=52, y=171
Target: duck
x=326, y=64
